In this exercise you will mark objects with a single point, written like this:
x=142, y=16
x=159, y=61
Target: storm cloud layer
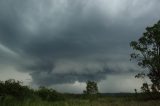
x=63, y=41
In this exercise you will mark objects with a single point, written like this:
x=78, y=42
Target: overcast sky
x=64, y=43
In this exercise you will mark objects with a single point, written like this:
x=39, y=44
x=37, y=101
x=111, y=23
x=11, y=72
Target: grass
x=12, y=93
x=102, y=101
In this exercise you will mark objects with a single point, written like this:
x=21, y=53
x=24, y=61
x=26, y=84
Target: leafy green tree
x=147, y=53
x=91, y=87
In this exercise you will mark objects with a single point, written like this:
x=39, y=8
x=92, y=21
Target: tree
x=147, y=53
x=91, y=87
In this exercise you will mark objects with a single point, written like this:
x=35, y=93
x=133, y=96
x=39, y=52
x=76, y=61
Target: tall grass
x=103, y=101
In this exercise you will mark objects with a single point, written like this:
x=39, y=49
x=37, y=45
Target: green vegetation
x=13, y=93
x=100, y=101
x=14, y=90
x=91, y=88
x=147, y=55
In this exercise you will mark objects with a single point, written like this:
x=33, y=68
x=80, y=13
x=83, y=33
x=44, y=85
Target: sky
x=62, y=44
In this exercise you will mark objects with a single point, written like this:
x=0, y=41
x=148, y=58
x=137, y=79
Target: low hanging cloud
x=71, y=71
x=63, y=41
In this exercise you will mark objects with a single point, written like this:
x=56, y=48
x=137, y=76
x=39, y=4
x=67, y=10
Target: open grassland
x=105, y=101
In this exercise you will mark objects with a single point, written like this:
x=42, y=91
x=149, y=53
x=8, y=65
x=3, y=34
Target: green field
x=101, y=101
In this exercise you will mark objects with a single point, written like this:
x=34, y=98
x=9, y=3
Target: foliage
x=103, y=101
x=49, y=97
x=15, y=89
x=147, y=54
x=145, y=88
x=49, y=94
x=91, y=87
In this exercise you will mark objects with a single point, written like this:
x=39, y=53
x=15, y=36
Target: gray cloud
x=63, y=41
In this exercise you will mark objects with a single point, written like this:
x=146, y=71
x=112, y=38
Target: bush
x=15, y=89
x=49, y=94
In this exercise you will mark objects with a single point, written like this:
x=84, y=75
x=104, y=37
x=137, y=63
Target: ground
x=103, y=101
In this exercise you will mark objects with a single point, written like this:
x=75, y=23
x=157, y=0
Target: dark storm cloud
x=63, y=41
x=47, y=78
